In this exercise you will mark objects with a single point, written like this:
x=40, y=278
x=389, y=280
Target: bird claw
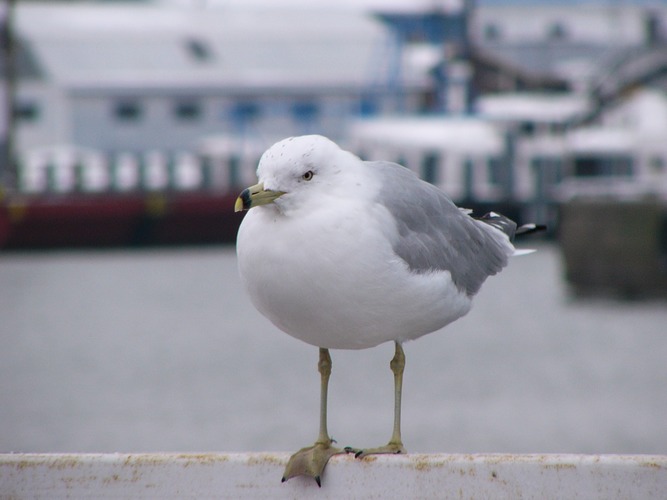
x=357, y=452
x=310, y=461
x=389, y=449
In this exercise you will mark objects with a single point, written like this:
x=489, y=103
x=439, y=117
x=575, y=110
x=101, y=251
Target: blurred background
x=129, y=127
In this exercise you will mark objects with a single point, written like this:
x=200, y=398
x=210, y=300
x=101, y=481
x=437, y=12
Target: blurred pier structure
x=90, y=172
x=615, y=246
x=68, y=198
x=521, y=117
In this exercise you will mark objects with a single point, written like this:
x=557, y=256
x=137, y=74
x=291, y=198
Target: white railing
x=257, y=475
x=93, y=172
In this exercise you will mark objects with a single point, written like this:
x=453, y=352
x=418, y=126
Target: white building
x=522, y=147
x=571, y=41
x=226, y=79
x=124, y=77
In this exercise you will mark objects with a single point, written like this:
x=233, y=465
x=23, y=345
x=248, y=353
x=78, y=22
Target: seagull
x=342, y=253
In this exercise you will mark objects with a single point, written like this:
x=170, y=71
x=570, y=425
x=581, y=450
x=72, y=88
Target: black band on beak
x=245, y=198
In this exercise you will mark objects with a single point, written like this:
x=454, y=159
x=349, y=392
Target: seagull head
x=293, y=169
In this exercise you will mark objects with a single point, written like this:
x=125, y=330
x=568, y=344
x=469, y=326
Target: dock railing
x=257, y=475
x=92, y=172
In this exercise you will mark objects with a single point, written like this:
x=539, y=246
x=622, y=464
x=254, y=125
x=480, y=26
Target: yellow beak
x=255, y=196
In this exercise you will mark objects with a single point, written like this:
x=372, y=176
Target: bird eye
x=308, y=175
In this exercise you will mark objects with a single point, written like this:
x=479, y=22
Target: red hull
x=80, y=221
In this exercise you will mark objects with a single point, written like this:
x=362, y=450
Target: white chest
x=333, y=280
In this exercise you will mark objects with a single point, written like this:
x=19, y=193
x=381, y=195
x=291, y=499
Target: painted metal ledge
x=257, y=475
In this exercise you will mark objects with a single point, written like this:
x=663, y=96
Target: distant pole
x=8, y=60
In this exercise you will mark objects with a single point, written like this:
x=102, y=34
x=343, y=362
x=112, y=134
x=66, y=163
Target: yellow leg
x=310, y=461
x=395, y=444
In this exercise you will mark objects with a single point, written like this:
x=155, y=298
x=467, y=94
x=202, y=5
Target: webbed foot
x=310, y=461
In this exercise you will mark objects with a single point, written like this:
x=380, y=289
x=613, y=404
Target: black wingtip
x=318, y=481
x=283, y=479
x=530, y=228
x=500, y=222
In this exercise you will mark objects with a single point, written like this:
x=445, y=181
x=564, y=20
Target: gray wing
x=435, y=235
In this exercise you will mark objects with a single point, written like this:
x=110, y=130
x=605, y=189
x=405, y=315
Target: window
x=548, y=171
x=586, y=167
x=26, y=111
x=557, y=32
x=491, y=33
x=599, y=166
x=245, y=111
x=305, y=111
x=527, y=128
x=187, y=110
x=244, y=116
x=429, y=166
x=127, y=110
x=198, y=50
x=468, y=178
x=662, y=244
x=368, y=106
x=652, y=28
x=496, y=171
x=657, y=164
